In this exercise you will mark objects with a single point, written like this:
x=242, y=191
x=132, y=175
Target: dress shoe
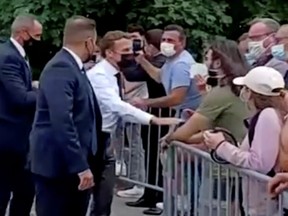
x=140, y=203
x=153, y=211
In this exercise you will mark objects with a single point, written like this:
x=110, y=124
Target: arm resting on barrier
x=196, y=138
x=264, y=149
x=193, y=126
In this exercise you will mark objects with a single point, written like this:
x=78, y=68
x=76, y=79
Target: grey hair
x=272, y=24
x=22, y=22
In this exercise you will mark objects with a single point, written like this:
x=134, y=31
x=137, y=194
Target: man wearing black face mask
x=105, y=78
x=134, y=72
x=17, y=108
x=66, y=139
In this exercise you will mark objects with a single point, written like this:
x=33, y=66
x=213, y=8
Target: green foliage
x=276, y=9
x=201, y=18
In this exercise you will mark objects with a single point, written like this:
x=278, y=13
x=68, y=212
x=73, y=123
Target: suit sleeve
x=10, y=72
x=58, y=86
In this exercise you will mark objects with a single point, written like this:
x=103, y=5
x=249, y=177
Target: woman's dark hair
x=230, y=49
x=230, y=69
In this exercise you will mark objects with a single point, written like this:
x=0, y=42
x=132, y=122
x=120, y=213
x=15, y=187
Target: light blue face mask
x=278, y=52
x=249, y=58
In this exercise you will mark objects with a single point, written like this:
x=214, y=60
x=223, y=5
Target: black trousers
x=103, y=169
x=152, y=196
x=17, y=181
x=60, y=196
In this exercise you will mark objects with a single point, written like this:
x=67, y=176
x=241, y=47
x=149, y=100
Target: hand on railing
x=212, y=140
x=278, y=184
x=165, y=141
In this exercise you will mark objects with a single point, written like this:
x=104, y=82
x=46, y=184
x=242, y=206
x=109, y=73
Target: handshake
x=140, y=103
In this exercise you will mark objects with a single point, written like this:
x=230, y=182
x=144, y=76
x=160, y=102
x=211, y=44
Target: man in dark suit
x=67, y=128
x=136, y=73
x=17, y=109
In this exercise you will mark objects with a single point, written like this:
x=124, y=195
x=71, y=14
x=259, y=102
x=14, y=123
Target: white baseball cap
x=262, y=80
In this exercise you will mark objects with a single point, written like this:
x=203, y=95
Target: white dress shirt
x=76, y=57
x=104, y=83
x=18, y=47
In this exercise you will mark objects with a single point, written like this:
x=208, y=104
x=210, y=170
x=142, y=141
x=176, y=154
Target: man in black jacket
x=136, y=73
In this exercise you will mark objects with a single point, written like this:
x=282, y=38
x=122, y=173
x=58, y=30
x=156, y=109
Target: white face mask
x=167, y=49
x=256, y=48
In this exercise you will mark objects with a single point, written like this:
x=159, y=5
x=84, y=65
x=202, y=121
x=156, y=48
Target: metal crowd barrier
x=195, y=185
x=132, y=148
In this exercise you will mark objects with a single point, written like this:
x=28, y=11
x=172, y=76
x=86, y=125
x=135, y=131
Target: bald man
x=17, y=107
x=66, y=133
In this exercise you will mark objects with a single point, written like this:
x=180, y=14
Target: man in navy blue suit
x=17, y=108
x=67, y=126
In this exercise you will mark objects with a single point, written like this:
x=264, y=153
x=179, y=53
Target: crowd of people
x=61, y=136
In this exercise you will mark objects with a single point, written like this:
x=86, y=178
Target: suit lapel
x=27, y=68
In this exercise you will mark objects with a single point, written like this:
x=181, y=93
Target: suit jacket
x=17, y=100
x=135, y=73
x=67, y=112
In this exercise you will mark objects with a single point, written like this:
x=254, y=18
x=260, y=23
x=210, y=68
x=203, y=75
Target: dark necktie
x=92, y=100
x=119, y=83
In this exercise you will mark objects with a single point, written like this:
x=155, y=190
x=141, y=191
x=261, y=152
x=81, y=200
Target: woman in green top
x=221, y=106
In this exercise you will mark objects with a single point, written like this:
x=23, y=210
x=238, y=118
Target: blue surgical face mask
x=278, y=52
x=249, y=58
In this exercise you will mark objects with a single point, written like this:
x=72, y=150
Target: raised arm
x=153, y=71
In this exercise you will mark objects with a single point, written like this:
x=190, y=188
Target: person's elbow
x=176, y=100
x=26, y=100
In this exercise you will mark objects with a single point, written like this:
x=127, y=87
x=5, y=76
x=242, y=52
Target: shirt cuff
x=145, y=118
x=222, y=150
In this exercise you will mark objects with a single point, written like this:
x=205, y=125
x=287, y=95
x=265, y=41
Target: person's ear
x=108, y=53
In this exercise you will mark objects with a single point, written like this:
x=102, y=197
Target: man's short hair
x=272, y=24
x=243, y=37
x=108, y=41
x=78, y=29
x=153, y=37
x=178, y=28
x=132, y=28
x=25, y=21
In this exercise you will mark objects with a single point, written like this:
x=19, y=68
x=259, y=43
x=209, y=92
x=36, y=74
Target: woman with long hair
x=221, y=107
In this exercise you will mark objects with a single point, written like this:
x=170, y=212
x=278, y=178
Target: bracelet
x=217, y=146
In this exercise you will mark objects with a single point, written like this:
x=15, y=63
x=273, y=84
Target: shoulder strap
x=251, y=132
x=251, y=128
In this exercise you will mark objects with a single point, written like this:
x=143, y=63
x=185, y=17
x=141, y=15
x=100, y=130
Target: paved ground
x=119, y=208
